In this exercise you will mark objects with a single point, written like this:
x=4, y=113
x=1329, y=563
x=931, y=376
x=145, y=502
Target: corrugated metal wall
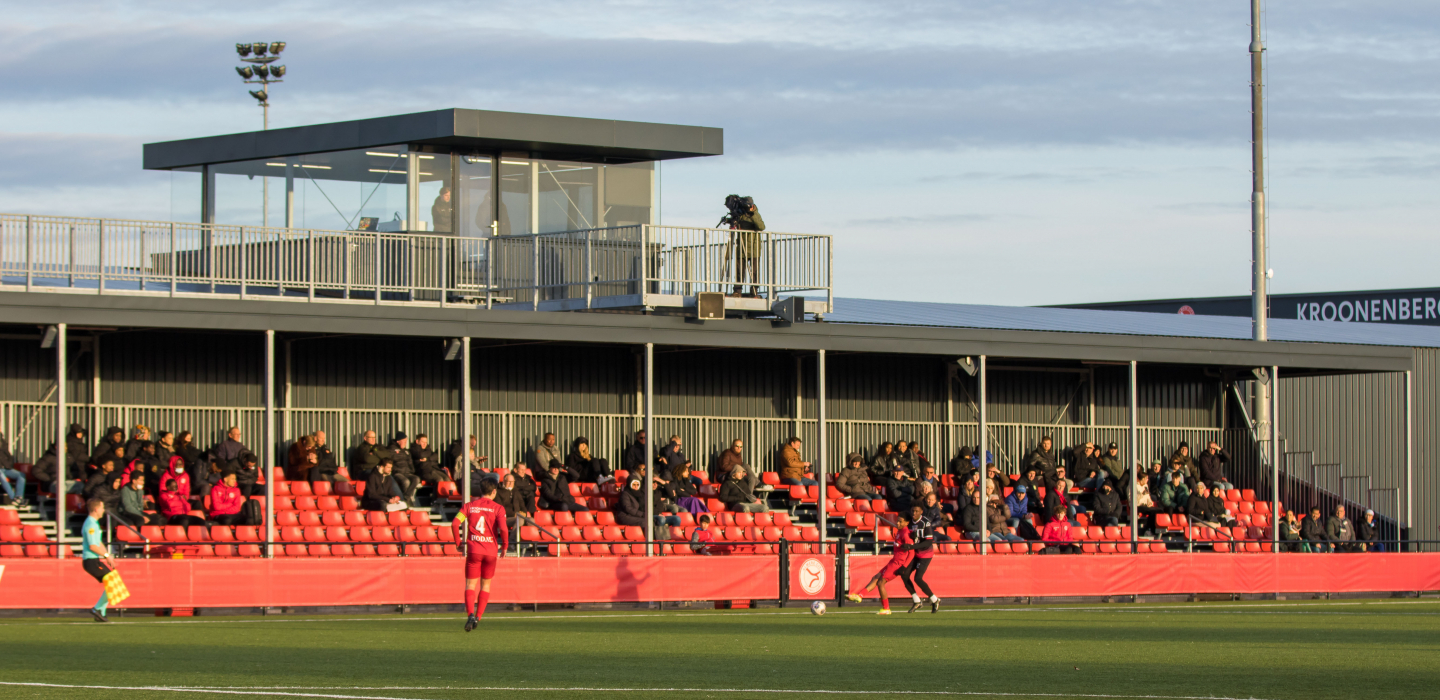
x=153, y=368
x=27, y=373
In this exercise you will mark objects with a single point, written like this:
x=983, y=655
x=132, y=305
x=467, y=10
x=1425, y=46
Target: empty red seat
x=363, y=550
x=9, y=517
x=300, y=488
x=398, y=518
x=247, y=550
x=361, y=533
x=287, y=518
x=344, y=488
x=376, y=518
x=592, y=533
x=562, y=518
x=352, y=518
x=427, y=534
x=382, y=534
x=332, y=518
x=634, y=533
x=39, y=550
x=349, y=503
x=306, y=503
x=12, y=533
x=327, y=502
x=314, y=534
x=1112, y=533
x=336, y=534
x=387, y=550
x=282, y=488
x=584, y=518
x=419, y=518
x=1222, y=546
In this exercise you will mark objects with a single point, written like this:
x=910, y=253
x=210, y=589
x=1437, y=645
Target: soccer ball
x=817, y=608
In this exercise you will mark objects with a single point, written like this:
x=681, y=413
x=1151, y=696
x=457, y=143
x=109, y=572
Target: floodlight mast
x=1259, y=294
x=260, y=55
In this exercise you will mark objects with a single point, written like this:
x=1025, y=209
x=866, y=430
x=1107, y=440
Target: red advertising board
x=812, y=577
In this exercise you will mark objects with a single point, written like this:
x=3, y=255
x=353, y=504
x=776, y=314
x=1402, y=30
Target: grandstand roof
x=1027, y=318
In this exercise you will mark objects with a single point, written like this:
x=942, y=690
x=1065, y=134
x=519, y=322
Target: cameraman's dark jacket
x=750, y=222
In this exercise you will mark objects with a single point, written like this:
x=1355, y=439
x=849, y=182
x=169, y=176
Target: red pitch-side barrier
x=211, y=583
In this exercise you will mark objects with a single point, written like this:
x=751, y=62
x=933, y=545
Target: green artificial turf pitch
x=1311, y=650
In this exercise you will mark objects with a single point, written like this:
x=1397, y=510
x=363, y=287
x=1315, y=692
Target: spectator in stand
x=147, y=461
x=457, y=463
x=1180, y=459
x=103, y=470
x=403, y=471
x=899, y=489
x=1291, y=535
x=108, y=492
x=592, y=470
x=1056, y=535
x=792, y=469
x=995, y=482
x=1086, y=467
x=635, y=453
x=1156, y=477
x=178, y=473
x=381, y=491
x=928, y=476
x=738, y=493
x=112, y=438
x=1057, y=495
x=1043, y=458
x=1020, y=504
x=139, y=435
x=883, y=464
x=11, y=480
x=1032, y=480
x=918, y=459
x=1220, y=509
x=1111, y=467
x=301, y=458
x=682, y=491
x=903, y=458
x=132, y=504
x=66, y=478
x=1175, y=495
x=185, y=449
x=631, y=509
x=326, y=467
x=366, y=456
x=248, y=474
x=1340, y=531
x=969, y=485
x=701, y=539
x=519, y=510
x=1145, y=503
x=1312, y=530
x=1367, y=533
x=1198, y=508
x=854, y=481
x=547, y=452
x=729, y=459
x=555, y=489
x=175, y=506
x=226, y=502
x=997, y=517
x=164, y=446
x=1212, y=467
x=1107, y=509
x=229, y=450
x=937, y=513
x=669, y=457
x=973, y=517
x=427, y=463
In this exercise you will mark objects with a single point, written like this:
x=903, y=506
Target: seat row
x=547, y=518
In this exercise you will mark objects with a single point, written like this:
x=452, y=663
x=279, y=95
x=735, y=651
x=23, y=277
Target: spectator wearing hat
x=555, y=489
x=1020, y=505
x=1212, y=467
x=403, y=469
x=1107, y=508
x=1367, y=533
x=1086, y=466
x=738, y=493
x=899, y=489
x=1111, y=467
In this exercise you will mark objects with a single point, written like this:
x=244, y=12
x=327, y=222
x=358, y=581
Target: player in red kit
x=904, y=552
x=481, y=532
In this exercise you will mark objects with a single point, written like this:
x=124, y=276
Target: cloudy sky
x=1007, y=152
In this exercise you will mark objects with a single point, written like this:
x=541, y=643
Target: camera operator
x=745, y=217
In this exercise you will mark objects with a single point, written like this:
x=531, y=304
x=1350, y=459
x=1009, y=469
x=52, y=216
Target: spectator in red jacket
x=226, y=501
x=1056, y=535
x=701, y=539
x=177, y=473
x=175, y=507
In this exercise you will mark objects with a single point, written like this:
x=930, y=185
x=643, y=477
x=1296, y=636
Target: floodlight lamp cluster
x=260, y=55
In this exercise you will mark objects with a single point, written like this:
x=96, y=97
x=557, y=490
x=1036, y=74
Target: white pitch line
x=289, y=691
x=1184, y=608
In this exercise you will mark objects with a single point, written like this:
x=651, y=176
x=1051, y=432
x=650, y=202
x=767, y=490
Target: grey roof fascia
x=543, y=135
x=368, y=319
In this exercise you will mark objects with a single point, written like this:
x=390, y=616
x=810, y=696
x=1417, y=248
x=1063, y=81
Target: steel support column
x=1133, y=452
x=61, y=426
x=1275, y=457
x=822, y=453
x=647, y=484
x=1409, y=455
x=267, y=443
x=462, y=465
x=984, y=448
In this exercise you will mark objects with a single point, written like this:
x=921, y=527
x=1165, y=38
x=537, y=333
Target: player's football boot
x=935, y=606
x=883, y=611
x=915, y=607
x=472, y=623
x=99, y=616
x=853, y=597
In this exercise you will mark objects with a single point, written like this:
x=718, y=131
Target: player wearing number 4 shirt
x=479, y=530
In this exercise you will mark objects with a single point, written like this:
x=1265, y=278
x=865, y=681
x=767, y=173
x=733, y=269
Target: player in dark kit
x=922, y=532
x=482, y=523
x=904, y=547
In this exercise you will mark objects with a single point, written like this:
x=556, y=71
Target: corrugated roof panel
x=1026, y=318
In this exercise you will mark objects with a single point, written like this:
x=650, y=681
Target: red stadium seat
x=282, y=488
x=562, y=518
x=306, y=503
x=322, y=488
x=314, y=534
x=327, y=502
x=1222, y=546
x=300, y=488
x=309, y=518
x=405, y=533
x=363, y=550
x=332, y=518
x=398, y=518
x=634, y=533
x=361, y=533
x=592, y=533
x=12, y=533
x=382, y=534
x=349, y=503
x=336, y=534
x=387, y=550
x=1247, y=494
x=353, y=518
x=375, y=518
x=420, y=518
x=318, y=550
x=287, y=518
x=427, y=534
x=247, y=550
x=584, y=519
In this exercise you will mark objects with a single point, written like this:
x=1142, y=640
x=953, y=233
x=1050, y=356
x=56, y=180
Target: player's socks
x=915, y=597
x=470, y=601
x=103, y=603
x=480, y=607
x=885, y=604
x=934, y=599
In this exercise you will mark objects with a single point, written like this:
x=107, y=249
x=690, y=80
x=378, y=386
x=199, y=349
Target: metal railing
x=630, y=265
x=657, y=261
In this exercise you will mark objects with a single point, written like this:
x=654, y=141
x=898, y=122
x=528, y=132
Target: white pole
x=645, y=484
x=61, y=425
x=462, y=466
x=1275, y=455
x=267, y=443
x=822, y=451
x=1409, y=455
x=984, y=447
x=1134, y=451
x=1259, y=293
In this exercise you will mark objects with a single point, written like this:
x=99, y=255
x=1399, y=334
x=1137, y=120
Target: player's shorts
x=893, y=569
x=480, y=566
x=96, y=568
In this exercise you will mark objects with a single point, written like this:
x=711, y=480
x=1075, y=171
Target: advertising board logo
x=1186, y=310
x=812, y=576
